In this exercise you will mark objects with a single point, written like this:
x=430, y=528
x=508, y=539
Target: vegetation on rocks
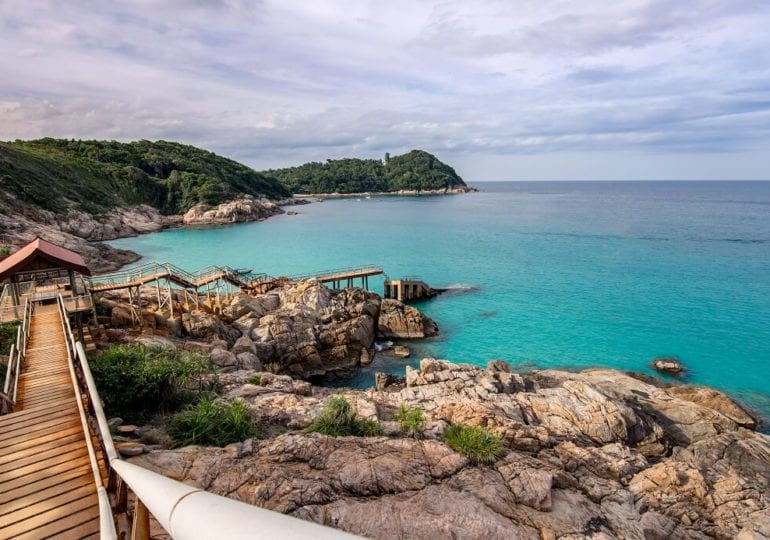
x=338, y=419
x=99, y=175
x=213, y=422
x=410, y=419
x=135, y=381
x=474, y=442
x=415, y=170
x=255, y=379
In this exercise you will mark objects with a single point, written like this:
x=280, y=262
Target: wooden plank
x=62, y=499
x=89, y=529
x=28, y=414
x=42, y=466
x=39, y=429
x=13, y=485
x=27, y=488
x=43, y=452
x=62, y=416
x=51, y=490
x=10, y=457
x=43, y=438
x=55, y=520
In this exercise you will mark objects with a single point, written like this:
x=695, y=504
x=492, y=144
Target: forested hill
x=415, y=170
x=95, y=176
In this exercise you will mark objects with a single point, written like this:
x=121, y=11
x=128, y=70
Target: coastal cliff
x=592, y=454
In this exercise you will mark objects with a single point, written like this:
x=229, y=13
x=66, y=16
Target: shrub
x=8, y=332
x=213, y=422
x=255, y=379
x=476, y=443
x=410, y=419
x=134, y=380
x=338, y=418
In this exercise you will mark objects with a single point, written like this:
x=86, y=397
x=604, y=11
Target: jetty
x=60, y=474
x=409, y=288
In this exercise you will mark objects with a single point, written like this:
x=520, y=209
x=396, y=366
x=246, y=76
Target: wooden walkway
x=47, y=488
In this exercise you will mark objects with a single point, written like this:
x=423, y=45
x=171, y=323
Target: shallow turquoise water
x=562, y=274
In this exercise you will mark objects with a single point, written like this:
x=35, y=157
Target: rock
x=126, y=429
x=120, y=316
x=207, y=326
x=399, y=321
x=114, y=423
x=315, y=331
x=243, y=344
x=400, y=351
x=388, y=382
x=668, y=365
x=498, y=366
x=128, y=449
x=224, y=360
x=591, y=454
x=245, y=208
x=247, y=360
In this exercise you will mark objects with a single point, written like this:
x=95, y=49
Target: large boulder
x=399, y=321
x=245, y=208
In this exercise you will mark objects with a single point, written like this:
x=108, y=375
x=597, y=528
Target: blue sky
x=502, y=90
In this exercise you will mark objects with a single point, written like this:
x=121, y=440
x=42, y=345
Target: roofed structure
x=41, y=255
x=40, y=272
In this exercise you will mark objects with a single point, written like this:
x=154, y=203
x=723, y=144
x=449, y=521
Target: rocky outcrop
x=399, y=321
x=246, y=208
x=81, y=231
x=668, y=365
x=597, y=454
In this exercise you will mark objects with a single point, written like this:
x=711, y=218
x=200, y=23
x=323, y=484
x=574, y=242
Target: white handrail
x=17, y=355
x=189, y=513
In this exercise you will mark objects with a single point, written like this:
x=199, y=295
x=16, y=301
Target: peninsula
x=78, y=193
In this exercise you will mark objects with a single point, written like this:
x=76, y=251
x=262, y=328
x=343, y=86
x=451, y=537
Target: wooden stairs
x=47, y=487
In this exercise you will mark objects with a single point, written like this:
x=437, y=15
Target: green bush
x=213, y=422
x=476, y=443
x=255, y=379
x=410, y=419
x=8, y=332
x=338, y=418
x=135, y=381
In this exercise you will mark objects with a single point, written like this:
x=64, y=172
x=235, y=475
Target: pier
x=345, y=276
x=408, y=288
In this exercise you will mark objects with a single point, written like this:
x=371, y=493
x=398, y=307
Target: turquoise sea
x=568, y=274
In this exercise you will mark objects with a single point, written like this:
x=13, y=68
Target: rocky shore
x=402, y=192
x=84, y=232
x=300, y=328
x=592, y=454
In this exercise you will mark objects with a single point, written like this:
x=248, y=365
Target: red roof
x=58, y=256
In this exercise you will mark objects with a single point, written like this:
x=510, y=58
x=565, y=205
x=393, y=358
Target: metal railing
x=15, y=360
x=329, y=275
x=185, y=512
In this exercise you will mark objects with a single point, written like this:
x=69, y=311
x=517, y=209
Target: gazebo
x=41, y=271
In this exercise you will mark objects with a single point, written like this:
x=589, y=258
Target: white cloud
x=526, y=86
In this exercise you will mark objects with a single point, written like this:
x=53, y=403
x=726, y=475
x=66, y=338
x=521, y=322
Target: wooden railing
x=15, y=360
x=185, y=512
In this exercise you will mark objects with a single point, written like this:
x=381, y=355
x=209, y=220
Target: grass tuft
x=255, y=379
x=474, y=442
x=338, y=419
x=213, y=422
x=410, y=419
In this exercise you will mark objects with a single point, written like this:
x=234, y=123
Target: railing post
x=141, y=527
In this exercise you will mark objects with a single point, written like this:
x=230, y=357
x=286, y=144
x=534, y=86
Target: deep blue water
x=569, y=274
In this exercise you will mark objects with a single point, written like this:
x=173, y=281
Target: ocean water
x=545, y=274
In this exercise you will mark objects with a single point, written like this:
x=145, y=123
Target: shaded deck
x=47, y=487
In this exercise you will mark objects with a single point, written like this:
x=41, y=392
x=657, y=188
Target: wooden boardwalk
x=47, y=488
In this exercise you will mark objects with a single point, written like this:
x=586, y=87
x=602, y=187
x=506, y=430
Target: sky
x=501, y=90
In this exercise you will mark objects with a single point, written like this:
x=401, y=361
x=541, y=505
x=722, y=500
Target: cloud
x=277, y=83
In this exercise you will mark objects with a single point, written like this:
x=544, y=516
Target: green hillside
x=98, y=175
x=415, y=170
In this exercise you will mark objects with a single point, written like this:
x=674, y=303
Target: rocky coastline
x=455, y=190
x=592, y=454
x=84, y=232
